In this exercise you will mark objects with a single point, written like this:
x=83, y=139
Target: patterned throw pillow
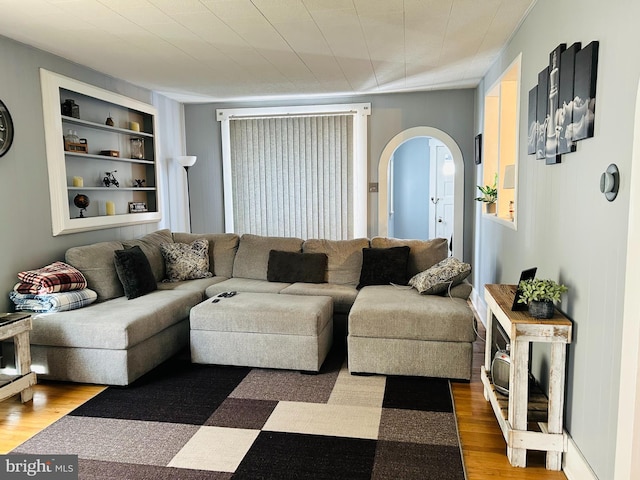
x=186, y=261
x=442, y=276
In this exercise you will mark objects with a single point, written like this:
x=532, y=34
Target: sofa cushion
x=382, y=311
x=252, y=257
x=442, y=276
x=134, y=272
x=343, y=295
x=245, y=285
x=382, y=266
x=424, y=253
x=344, y=258
x=297, y=267
x=96, y=264
x=186, y=261
x=117, y=324
x=150, y=245
x=222, y=250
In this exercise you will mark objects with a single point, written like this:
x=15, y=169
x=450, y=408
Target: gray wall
x=25, y=214
x=451, y=111
x=565, y=225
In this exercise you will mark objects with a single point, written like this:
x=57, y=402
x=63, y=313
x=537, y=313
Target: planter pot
x=490, y=208
x=541, y=309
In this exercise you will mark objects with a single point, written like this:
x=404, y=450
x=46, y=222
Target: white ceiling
x=211, y=50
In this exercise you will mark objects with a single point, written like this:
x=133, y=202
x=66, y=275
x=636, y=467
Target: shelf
x=107, y=157
x=100, y=126
x=96, y=103
x=117, y=189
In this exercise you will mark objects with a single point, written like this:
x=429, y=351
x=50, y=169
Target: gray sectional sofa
x=391, y=329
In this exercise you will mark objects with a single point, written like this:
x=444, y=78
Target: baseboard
x=574, y=465
x=478, y=304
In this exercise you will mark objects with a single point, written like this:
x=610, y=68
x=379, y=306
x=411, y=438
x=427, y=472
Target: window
x=500, y=142
x=295, y=171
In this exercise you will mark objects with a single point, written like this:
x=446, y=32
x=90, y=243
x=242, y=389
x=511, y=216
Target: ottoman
x=267, y=330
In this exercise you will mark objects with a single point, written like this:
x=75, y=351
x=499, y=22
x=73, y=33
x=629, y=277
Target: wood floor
x=483, y=446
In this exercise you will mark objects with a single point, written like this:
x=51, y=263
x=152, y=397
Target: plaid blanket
x=57, y=277
x=53, y=302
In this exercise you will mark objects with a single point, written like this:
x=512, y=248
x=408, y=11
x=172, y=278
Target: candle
x=78, y=182
x=135, y=126
x=111, y=208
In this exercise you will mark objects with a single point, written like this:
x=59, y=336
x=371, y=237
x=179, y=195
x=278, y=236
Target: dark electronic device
x=527, y=274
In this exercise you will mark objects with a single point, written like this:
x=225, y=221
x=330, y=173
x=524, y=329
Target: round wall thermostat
x=610, y=182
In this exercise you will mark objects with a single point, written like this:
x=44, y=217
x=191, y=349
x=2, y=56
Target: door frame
x=383, y=180
x=627, y=462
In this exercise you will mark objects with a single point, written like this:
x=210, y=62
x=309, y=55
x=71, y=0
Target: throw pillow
x=292, y=267
x=439, y=278
x=134, y=271
x=186, y=261
x=382, y=266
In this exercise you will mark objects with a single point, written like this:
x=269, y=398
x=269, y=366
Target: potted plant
x=540, y=295
x=489, y=195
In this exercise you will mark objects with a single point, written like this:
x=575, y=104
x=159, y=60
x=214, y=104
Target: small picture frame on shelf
x=137, y=207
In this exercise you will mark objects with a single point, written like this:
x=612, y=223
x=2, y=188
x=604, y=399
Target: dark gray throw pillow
x=134, y=272
x=291, y=267
x=382, y=266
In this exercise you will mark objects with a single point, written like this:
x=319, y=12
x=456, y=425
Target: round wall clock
x=6, y=129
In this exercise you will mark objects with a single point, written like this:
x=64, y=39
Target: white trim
x=627, y=462
x=574, y=466
x=383, y=175
x=360, y=112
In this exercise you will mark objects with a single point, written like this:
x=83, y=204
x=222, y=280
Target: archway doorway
x=385, y=172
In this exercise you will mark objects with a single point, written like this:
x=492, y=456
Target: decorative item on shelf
x=137, y=148
x=540, y=296
x=109, y=121
x=137, y=207
x=110, y=179
x=72, y=143
x=139, y=182
x=78, y=182
x=135, y=126
x=70, y=108
x=489, y=196
x=82, y=202
x=111, y=208
x=110, y=153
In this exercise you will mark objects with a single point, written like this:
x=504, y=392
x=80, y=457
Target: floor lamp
x=187, y=161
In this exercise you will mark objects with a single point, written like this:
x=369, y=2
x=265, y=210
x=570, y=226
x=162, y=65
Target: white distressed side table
x=17, y=326
x=522, y=330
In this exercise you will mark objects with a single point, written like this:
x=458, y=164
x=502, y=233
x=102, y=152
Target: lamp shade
x=187, y=160
x=509, y=177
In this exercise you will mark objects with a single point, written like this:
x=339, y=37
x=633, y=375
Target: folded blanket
x=53, y=302
x=56, y=277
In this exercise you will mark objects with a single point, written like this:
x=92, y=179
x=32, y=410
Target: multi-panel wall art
x=562, y=104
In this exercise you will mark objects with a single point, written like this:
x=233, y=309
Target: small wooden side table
x=522, y=330
x=17, y=326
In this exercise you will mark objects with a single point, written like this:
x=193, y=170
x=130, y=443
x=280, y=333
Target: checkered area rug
x=185, y=421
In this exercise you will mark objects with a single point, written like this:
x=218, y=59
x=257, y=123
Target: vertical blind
x=293, y=176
